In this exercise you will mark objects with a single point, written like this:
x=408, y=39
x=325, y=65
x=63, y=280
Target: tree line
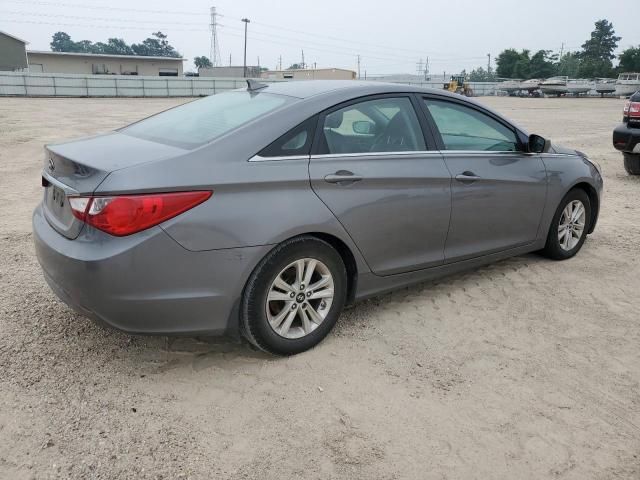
x=155, y=46
x=594, y=60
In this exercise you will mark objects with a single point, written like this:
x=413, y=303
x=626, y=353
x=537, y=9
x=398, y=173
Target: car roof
x=336, y=91
x=310, y=88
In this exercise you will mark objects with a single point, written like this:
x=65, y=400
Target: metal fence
x=71, y=85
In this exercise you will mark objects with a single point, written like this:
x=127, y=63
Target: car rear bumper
x=145, y=283
x=626, y=139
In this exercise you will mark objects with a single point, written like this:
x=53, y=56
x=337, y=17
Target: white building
x=91, y=63
x=311, y=74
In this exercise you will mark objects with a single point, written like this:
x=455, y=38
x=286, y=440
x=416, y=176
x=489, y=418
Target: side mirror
x=364, y=127
x=538, y=144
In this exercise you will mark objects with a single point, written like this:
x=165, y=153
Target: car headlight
x=592, y=162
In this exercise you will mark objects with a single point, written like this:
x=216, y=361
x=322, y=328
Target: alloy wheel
x=572, y=224
x=300, y=298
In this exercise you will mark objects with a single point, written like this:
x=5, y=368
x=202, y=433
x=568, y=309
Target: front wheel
x=294, y=296
x=569, y=227
x=632, y=163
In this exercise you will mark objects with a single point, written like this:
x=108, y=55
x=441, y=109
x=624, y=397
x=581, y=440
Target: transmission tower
x=214, y=55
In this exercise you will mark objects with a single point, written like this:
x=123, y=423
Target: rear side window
x=200, y=121
x=296, y=141
x=464, y=128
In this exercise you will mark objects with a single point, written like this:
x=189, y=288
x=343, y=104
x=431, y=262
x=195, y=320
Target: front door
x=498, y=191
x=371, y=168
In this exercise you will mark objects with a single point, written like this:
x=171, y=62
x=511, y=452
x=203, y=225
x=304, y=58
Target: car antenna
x=252, y=85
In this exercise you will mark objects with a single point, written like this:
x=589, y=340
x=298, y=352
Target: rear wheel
x=294, y=296
x=569, y=227
x=632, y=163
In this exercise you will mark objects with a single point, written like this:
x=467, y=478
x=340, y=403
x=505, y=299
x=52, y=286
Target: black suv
x=626, y=136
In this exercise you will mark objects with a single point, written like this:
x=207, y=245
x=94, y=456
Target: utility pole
x=229, y=59
x=426, y=70
x=488, y=66
x=214, y=54
x=280, y=63
x=561, y=50
x=358, y=67
x=302, y=65
x=246, y=22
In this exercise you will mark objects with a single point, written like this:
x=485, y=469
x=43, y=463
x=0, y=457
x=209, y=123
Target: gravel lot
x=525, y=369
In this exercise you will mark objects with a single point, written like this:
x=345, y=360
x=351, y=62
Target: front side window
x=464, y=128
x=380, y=125
x=201, y=121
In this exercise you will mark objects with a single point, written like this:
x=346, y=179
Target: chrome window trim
x=484, y=152
x=258, y=158
x=549, y=154
x=377, y=154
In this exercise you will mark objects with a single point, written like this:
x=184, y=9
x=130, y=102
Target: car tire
x=280, y=314
x=566, y=236
x=632, y=163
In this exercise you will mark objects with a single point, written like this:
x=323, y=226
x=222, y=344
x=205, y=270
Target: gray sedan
x=263, y=212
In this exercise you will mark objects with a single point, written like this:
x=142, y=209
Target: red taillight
x=126, y=214
x=633, y=110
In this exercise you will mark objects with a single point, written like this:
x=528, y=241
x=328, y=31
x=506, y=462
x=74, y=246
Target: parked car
x=262, y=212
x=626, y=136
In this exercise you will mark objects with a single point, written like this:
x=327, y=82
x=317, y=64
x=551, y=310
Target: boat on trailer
x=554, y=86
x=562, y=85
x=511, y=87
x=627, y=84
x=605, y=86
x=579, y=86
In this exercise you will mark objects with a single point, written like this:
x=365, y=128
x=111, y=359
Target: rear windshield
x=200, y=121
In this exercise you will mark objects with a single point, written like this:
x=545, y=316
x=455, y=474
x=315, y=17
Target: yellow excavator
x=459, y=84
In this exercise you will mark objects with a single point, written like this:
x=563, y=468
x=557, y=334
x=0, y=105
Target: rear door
x=498, y=190
x=371, y=166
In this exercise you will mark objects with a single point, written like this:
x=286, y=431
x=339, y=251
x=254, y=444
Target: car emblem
x=52, y=166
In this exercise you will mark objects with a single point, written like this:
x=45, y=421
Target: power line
x=193, y=13
x=262, y=35
x=103, y=7
x=267, y=25
x=267, y=37
x=106, y=19
x=288, y=44
x=130, y=27
x=382, y=55
x=120, y=27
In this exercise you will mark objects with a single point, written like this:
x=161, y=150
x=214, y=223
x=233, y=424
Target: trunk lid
x=76, y=168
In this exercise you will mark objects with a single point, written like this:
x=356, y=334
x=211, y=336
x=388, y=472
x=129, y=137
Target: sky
x=390, y=37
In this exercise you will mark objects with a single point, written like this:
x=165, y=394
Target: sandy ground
x=525, y=369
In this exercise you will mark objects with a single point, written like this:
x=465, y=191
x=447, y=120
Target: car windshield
x=199, y=122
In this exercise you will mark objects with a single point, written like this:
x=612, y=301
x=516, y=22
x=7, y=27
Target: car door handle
x=467, y=177
x=343, y=177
